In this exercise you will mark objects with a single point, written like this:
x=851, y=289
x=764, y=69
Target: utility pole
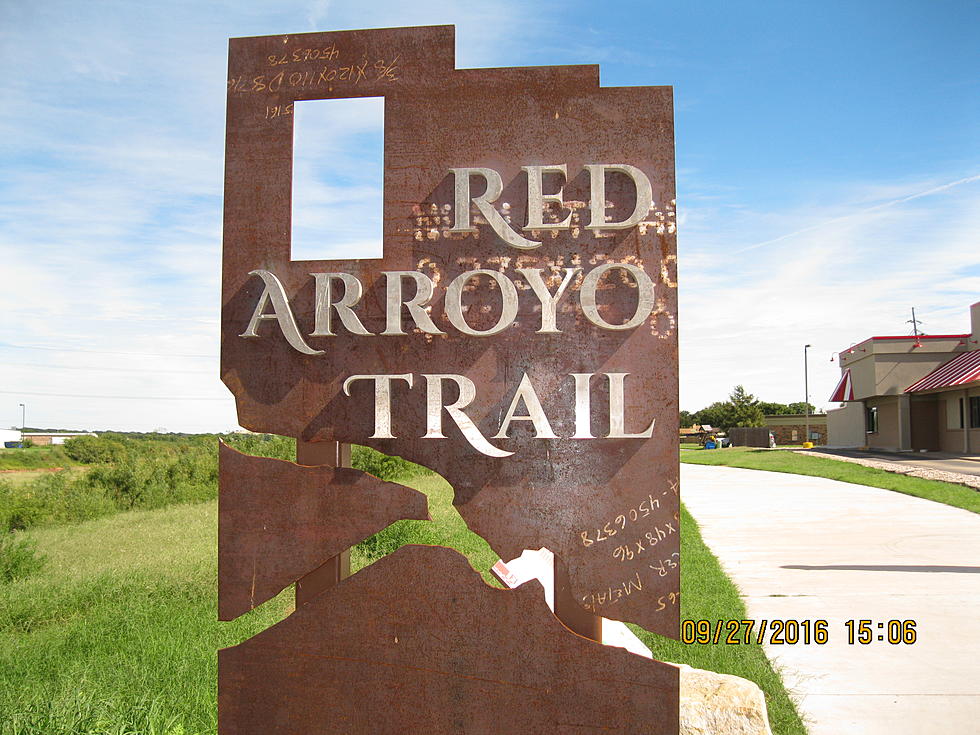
x=23, y=420
x=806, y=391
x=915, y=325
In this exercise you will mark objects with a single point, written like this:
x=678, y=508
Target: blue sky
x=827, y=160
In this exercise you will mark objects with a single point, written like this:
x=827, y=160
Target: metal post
x=806, y=391
x=331, y=454
x=23, y=420
x=574, y=617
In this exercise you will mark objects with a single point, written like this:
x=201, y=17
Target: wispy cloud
x=747, y=312
x=112, y=136
x=860, y=213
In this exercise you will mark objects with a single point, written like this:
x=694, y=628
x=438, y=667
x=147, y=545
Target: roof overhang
x=844, y=390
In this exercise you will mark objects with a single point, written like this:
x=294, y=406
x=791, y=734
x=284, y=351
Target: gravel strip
x=903, y=469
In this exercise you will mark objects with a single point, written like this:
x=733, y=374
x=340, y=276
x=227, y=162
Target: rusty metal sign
x=519, y=334
x=278, y=522
x=425, y=646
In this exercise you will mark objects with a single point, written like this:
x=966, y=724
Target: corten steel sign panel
x=424, y=615
x=518, y=336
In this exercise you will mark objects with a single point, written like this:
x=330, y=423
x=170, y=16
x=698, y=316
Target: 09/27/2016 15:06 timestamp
x=792, y=632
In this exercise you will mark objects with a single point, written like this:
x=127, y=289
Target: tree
x=714, y=415
x=801, y=407
x=686, y=419
x=769, y=408
x=745, y=409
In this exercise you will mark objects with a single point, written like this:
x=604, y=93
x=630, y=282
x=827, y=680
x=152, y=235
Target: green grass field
x=22, y=477
x=34, y=458
x=118, y=632
x=771, y=460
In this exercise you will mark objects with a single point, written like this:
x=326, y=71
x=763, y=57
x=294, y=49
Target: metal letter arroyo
x=518, y=337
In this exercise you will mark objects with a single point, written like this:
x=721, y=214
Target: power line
x=127, y=398
x=101, y=352
x=48, y=314
x=105, y=369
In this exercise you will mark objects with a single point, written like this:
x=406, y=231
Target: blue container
x=13, y=445
x=709, y=445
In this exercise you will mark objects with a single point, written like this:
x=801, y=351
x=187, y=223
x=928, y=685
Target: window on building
x=871, y=419
x=975, y=412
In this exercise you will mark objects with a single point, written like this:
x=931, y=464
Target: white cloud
x=110, y=195
x=112, y=135
x=850, y=272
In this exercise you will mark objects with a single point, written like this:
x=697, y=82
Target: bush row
x=124, y=473
x=32, y=457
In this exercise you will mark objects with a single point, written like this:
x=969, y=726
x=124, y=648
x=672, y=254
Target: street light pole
x=806, y=391
x=23, y=420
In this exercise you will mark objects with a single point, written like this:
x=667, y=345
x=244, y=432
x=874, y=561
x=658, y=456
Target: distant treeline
x=741, y=409
x=125, y=470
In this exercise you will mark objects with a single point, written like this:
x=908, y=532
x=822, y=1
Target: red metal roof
x=962, y=369
x=844, y=390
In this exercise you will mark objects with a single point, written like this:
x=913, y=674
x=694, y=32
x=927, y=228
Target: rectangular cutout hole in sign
x=338, y=177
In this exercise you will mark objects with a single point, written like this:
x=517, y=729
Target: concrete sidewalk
x=806, y=548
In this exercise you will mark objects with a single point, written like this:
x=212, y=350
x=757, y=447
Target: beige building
x=910, y=393
x=791, y=428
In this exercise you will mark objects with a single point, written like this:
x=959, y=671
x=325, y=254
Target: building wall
x=792, y=429
x=862, y=375
x=887, y=436
x=951, y=440
x=845, y=426
x=925, y=423
x=796, y=433
x=887, y=367
x=896, y=372
x=9, y=435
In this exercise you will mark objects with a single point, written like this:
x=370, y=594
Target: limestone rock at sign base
x=721, y=704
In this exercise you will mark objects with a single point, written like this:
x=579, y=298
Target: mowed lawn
x=778, y=460
x=118, y=632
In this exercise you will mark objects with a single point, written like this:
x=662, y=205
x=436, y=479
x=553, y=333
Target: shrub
x=94, y=449
x=154, y=475
x=18, y=557
x=263, y=445
x=383, y=466
x=53, y=497
x=148, y=472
